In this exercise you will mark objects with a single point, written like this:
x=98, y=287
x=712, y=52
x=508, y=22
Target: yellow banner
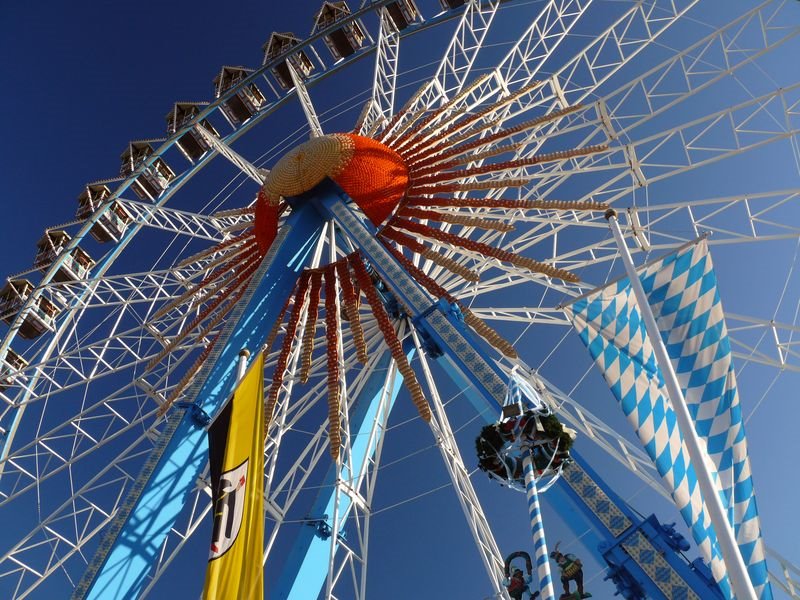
x=236, y=454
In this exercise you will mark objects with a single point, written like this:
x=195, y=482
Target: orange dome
x=376, y=178
x=372, y=174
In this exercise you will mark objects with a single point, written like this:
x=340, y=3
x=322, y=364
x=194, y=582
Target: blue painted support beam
x=644, y=563
x=305, y=570
x=483, y=381
x=132, y=544
x=608, y=514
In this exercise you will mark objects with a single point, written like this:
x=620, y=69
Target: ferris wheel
x=498, y=133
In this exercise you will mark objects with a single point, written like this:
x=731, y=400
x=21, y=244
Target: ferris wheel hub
x=371, y=173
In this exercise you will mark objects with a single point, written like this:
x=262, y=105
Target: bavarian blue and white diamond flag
x=682, y=292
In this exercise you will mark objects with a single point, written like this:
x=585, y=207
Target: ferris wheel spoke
x=459, y=476
x=351, y=498
x=65, y=533
x=666, y=229
x=88, y=285
x=42, y=384
x=524, y=315
x=380, y=107
x=202, y=227
x=702, y=141
x=612, y=49
x=81, y=363
x=348, y=497
x=763, y=17
x=305, y=102
x=97, y=423
x=542, y=240
x=765, y=219
x=85, y=359
x=788, y=579
x=518, y=69
x=245, y=166
x=126, y=289
x=749, y=333
x=503, y=277
x=588, y=70
x=54, y=451
x=281, y=418
x=282, y=492
x=694, y=68
x=456, y=63
x=299, y=406
x=681, y=76
x=536, y=45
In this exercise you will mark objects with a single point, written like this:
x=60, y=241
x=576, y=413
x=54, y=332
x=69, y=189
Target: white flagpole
x=244, y=354
x=734, y=563
x=241, y=370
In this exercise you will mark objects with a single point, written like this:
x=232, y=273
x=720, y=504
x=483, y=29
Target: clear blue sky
x=83, y=79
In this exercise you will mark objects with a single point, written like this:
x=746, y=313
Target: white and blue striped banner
x=682, y=292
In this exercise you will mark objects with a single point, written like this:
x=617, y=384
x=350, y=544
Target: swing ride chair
x=535, y=431
x=430, y=275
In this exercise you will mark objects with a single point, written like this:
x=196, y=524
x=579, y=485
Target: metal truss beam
x=462, y=485
x=608, y=52
x=128, y=289
x=668, y=84
x=234, y=157
x=581, y=76
x=305, y=102
x=728, y=132
x=748, y=334
x=552, y=25
x=457, y=61
x=712, y=138
x=203, y=227
x=789, y=578
x=380, y=106
x=456, y=64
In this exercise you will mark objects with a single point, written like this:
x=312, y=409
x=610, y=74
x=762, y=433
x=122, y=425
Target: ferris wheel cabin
x=191, y=144
x=450, y=4
x=245, y=102
x=41, y=316
x=10, y=367
x=348, y=38
x=113, y=223
x=154, y=178
x=279, y=44
x=75, y=265
x=402, y=13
